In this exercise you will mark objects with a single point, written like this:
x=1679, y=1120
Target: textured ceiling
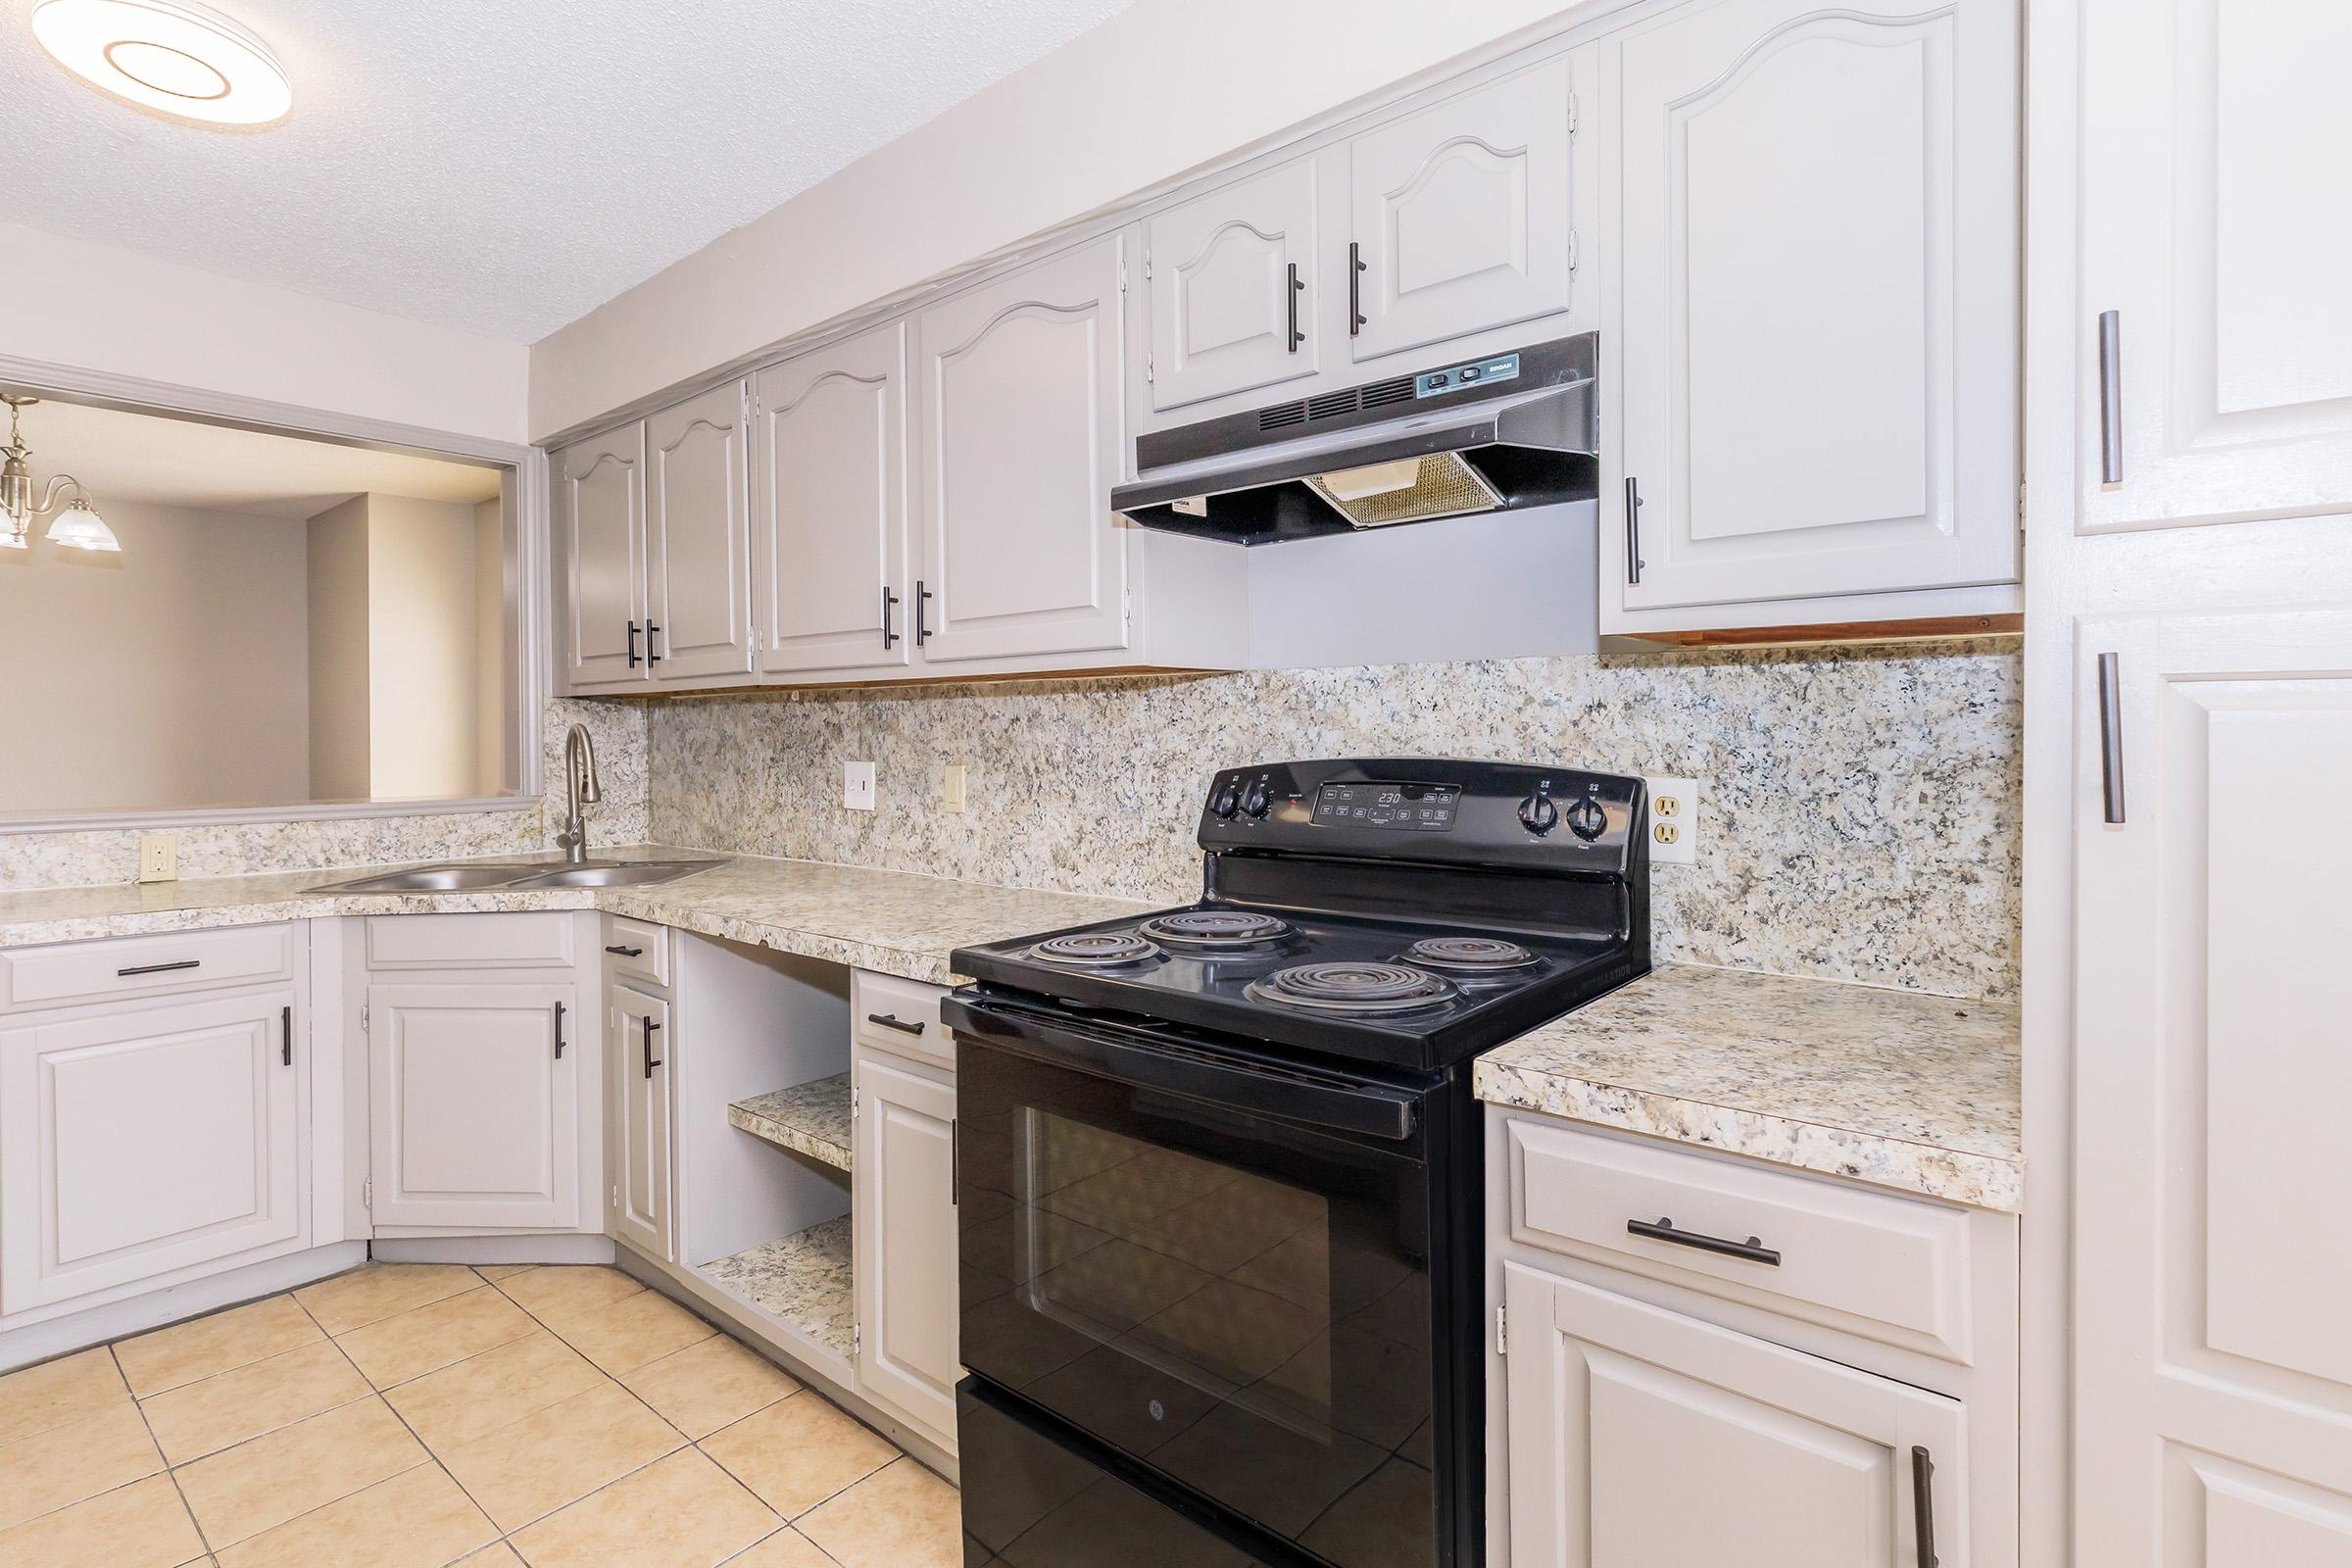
x=504, y=166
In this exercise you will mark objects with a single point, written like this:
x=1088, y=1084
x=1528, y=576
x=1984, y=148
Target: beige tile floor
x=419, y=1415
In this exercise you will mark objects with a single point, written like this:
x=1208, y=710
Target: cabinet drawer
x=635, y=950
x=140, y=967
x=1889, y=1268
x=517, y=940
x=901, y=1015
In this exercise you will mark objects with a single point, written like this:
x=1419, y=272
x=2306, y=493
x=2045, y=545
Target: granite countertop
x=897, y=922
x=1901, y=1090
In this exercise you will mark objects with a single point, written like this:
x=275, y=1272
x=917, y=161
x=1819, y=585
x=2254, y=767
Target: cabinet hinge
x=1503, y=1331
x=367, y=1195
x=363, y=1018
x=616, y=1198
x=1574, y=248
x=1146, y=267
x=1572, y=108
x=2020, y=505
x=856, y=1340
x=1149, y=366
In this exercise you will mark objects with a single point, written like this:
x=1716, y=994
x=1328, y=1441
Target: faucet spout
x=579, y=788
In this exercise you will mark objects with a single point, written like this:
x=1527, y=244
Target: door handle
x=560, y=1031
x=890, y=602
x=891, y=1021
x=1663, y=1230
x=1633, y=531
x=1297, y=288
x=2111, y=397
x=286, y=1038
x=1923, y=1505
x=160, y=968
x=651, y=658
x=633, y=659
x=1355, y=289
x=626, y=953
x=922, y=617
x=651, y=1061
x=2111, y=740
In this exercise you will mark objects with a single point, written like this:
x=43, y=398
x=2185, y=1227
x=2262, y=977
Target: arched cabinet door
x=600, y=503
x=1232, y=279
x=698, y=557
x=1018, y=398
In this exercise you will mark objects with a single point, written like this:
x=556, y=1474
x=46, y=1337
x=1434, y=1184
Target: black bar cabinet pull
x=893, y=1021
x=922, y=615
x=955, y=1164
x=2111, y=397
x=1923, y=1504
x=559, y=1042
x=160, y=968
x=1752, y=1249
x=890, y=601
x=633, y=659
x=626, y=952
x=2111, y=740
x=1298, y=287
x=286, y=1038
x=1632, y=530
x=651, y=1061
x=651, y=658
x=1355, y=289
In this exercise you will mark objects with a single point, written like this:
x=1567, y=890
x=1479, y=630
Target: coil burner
x=1473, y=958
x=1358, y=990
x=1214, y=930
x=1094, y=950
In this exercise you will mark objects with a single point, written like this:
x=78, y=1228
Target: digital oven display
x=1410, y=808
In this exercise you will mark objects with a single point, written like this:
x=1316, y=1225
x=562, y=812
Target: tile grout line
x=170, y=1471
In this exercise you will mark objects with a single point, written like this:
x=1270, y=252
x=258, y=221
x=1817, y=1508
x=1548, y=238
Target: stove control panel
x=1406, y=807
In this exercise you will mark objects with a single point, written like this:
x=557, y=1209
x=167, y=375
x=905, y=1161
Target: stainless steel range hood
x=1502, y=433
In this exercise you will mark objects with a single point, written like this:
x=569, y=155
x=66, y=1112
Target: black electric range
x=1218, y=1168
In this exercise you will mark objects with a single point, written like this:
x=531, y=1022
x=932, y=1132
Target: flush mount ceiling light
x=78, y=526
x=168, y=55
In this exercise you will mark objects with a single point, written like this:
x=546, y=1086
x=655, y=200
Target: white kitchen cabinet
x=904, y=1235
x=1232, y=283
x=600, y=524
x=2212, y=1265
x=1813, y=360
x=639, y=1028
x=697, y=557
x=2204, y=125
x=829, y=505
x=1462, y=216
x=147, y=1140
x=1640, y=1437
x=1019, y=404
x=473, y=1105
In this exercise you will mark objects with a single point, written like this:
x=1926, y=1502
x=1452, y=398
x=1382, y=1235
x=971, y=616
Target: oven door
x=1215, y=1263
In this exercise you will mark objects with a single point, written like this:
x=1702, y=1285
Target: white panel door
x=474, y=1109
x=638, y=1027
x=1462, y=214
x=2213, y=1040
x=1817, y=250
x=600, y=512
x=829, y=505
x=1642, y=1438
x=1020, y=402
x=697, y=551
x=145, y=1142
x=2214, y=226
x=1231, y=275
x=903, y=1193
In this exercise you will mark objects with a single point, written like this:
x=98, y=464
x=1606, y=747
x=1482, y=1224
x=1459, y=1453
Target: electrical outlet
x=159, y=856
x=952, y=792
x=1672, y=822
x=858, y=786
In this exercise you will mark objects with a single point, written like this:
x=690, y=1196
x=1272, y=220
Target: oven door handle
x=1373, y=1110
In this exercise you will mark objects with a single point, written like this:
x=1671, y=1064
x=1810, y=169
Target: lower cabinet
x=904, y=1235
x=1640, y=1437
x=473, y=1105
x=147, y=1141
x=638, y=1027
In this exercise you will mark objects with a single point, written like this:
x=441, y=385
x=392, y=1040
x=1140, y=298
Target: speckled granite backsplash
x=81, y=860
x=1857, y=820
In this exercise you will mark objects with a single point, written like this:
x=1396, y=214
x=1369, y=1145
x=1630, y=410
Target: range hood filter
x=1412, y=490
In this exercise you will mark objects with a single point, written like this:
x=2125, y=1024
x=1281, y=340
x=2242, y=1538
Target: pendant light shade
x=81, y=528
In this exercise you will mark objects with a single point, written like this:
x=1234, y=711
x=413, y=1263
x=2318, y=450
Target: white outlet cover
x=1673, y=801
x=951, y=788
x=858, y=786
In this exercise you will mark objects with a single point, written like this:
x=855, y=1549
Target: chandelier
x=78, y=526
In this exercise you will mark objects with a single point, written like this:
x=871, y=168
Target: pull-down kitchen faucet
x=579, y=788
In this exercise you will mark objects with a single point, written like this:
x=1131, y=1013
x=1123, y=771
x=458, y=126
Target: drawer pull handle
x=2111, y=397
x=1752, y=1249
x=159, y=968
x=626, y=953
x=890, y=1021
x=1923, y=1505
x=2111, y=741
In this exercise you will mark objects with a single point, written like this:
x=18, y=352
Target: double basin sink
x=463, y=876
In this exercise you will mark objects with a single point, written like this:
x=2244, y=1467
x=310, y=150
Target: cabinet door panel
x=475, y=1118
x=1230, y=274
x=640, y=1159
x=135, y=1145
x=1818, y=306
x=1640, y=1436
x=1021, y=435
x=2202, y=230
x=905, y=1234
x=601, y=496
x=1461, y=214
x=829, y=479
x=698, y=539
x=2213, y=1267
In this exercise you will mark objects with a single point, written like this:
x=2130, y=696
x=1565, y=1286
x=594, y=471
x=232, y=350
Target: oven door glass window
x=1241, y=1304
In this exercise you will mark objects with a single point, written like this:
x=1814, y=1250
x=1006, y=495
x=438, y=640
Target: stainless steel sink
x=464, y=875
x=615, y=874
x=433, y=879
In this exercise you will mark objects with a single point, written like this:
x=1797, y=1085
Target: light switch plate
x=1672, y=822
x=858, y=786
x=159, y=856
x=952, y=792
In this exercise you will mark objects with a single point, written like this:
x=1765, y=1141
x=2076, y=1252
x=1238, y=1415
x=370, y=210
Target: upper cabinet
x=698, y=562
x=1462, y=216
x=600, y=513
x=1815, y=346
x=2214, y=331
x=829, y=534
x=1232, y=278
x=1017, y=390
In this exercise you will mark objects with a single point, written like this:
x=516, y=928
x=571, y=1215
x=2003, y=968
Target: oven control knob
x=1226, y=800
x=1257, y=799
x=1537, y=813
x=1587, y=819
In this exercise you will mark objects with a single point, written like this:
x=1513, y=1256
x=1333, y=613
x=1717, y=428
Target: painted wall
x=337, y=652
x=94, y=308
x=1158, y=90
x=424, y=613
x=169, y=675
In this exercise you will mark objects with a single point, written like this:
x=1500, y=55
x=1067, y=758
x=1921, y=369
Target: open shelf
x=811, y=1118
x=804, y=1279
